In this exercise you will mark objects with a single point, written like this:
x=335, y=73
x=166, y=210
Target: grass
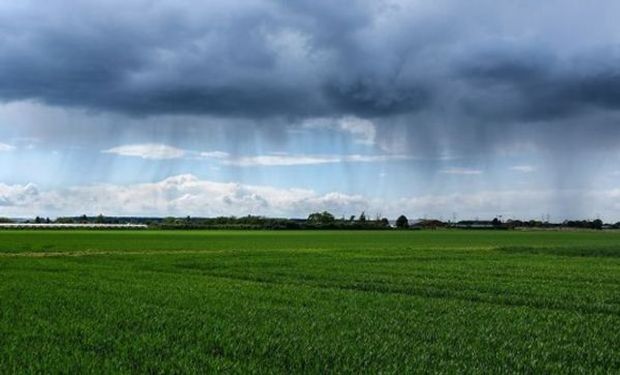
x=313, y=302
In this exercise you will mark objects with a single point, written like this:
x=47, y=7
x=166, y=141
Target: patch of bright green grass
x=313, y=302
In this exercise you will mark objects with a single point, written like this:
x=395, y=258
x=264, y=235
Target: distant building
x=474, y=224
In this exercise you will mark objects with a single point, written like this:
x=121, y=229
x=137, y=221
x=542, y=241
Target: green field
x=315, y=302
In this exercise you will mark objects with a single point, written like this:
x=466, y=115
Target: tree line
x=316, y=220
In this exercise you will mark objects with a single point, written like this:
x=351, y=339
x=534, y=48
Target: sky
x=444, y=109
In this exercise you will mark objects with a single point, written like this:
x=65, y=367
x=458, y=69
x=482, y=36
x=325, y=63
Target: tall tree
x=402, y=222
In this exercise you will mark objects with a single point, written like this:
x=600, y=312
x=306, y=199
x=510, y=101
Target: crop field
x=309, y=301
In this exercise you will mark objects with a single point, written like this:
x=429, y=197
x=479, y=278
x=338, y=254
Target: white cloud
x=461, y=171
x=18, y=195
x=6, y=147
x=188, y=195
x=215, y=155
x=290, y=160
x=280, y=160
x=362, y=130
x=523, y=168
x=152, y=151
x=284, y=159
x=161, y=151
x=177, y=195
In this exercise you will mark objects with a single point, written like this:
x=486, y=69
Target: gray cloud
x=442, y=78
x=530, y=86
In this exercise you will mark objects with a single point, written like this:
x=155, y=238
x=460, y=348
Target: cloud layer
x=147, y=151
x=177, y=195
x=440, y=69
x=155, y=151
x=188, y=195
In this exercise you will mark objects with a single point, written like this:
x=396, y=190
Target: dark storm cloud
x=449, y=72
x=535, y=87
x=366, y=99
x=252, y=59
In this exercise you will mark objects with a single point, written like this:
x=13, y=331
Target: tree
x=362, y=218
x=402, y=222
x=321, y=218
x=597, y=224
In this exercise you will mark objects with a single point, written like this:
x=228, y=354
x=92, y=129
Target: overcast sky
x=429, y=108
